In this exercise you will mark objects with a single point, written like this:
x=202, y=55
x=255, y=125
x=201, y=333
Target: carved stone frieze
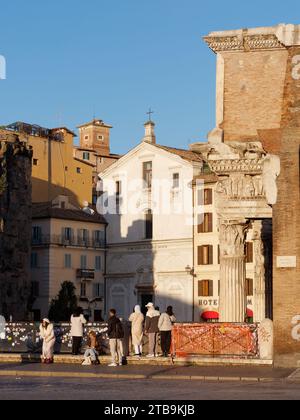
x=227, y=166
x=241, y=187
x=242, y=42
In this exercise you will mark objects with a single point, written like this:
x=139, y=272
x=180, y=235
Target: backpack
x=119, y=330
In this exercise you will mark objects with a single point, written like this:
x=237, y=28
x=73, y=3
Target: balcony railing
x=60, y=240
x=85, y=274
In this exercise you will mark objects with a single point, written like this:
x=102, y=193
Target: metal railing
x=85, y=274
x=75, y=241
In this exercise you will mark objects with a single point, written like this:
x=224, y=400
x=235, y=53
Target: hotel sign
x=286, y=262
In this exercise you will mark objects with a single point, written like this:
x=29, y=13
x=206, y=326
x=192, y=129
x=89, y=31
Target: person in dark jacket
x=116, y=335
x=151, y=328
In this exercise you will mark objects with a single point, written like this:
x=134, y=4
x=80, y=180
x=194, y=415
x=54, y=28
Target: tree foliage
x=65, y=304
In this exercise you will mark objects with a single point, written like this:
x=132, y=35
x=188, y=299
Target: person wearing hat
x=151, y=328
x=48, y=337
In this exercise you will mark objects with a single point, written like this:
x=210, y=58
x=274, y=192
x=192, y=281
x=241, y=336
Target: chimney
x=149, y=132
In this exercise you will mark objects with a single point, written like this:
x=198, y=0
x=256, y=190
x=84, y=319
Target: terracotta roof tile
x=184, y=154
x=45, y=211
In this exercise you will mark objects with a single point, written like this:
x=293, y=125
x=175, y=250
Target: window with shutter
x=68, y=260
x=98, y=290
x=98, y=263
x=200, y=255
x=205, y=288
x=99, y=238
x=147, y=174
x=249, y=287
x=176, y=180
x=210, y=254
x=200, y=223
x=83, y=290
x=36, y=234
x=200, y=198
x=118, y=196
x=67, y=234
x=83, y=262
x=207, y=223
x=249, y=252
x=205, y=255
x=208, y=197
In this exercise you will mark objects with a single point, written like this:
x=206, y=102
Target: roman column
x=259, y=303
x=233, y=301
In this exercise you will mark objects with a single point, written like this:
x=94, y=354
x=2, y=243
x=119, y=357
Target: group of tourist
x=152, y=326
x=155, y=324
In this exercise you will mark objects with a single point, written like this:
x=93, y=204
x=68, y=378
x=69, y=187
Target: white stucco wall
x=138, y=267
x=168, y=222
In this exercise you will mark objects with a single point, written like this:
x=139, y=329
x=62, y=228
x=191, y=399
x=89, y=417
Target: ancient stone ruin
x=15, y=227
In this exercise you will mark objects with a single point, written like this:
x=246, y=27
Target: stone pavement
x=188, y=373
x=111, y=390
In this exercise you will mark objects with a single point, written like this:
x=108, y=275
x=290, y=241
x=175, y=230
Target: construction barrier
x=235, y=340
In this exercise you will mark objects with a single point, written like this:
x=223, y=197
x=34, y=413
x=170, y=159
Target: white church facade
x=148, y=203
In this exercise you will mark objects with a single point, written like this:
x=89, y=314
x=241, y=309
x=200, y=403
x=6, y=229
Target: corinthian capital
x=233, y=238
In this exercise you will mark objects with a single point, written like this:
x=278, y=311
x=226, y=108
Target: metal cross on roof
x=150, y=112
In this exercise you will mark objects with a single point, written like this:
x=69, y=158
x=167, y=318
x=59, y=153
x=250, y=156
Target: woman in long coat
x=77, y=330
x=48, y=337
x=137, y=324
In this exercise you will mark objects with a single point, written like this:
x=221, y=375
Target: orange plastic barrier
x=215, y=340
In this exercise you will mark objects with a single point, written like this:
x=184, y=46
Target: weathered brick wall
x=253, y=92
x=15, y=228
x=287, y=221
x=286, y=233
x=262, y=102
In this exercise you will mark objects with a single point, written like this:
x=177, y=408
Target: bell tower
x=95, y=135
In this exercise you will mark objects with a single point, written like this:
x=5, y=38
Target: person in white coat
x=137, y=327
x=48, y=337
x=77, y=329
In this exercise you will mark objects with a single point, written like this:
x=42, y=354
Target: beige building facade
x=207, y=254
x=55, y=170
x=67, y=245
x=94, y=149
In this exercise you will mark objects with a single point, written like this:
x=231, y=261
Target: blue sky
x=70, y=59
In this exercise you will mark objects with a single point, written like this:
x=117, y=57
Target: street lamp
x=191, y=271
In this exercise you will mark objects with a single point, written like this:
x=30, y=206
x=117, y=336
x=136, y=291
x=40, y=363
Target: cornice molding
x=228, y=166
x=243, y=42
